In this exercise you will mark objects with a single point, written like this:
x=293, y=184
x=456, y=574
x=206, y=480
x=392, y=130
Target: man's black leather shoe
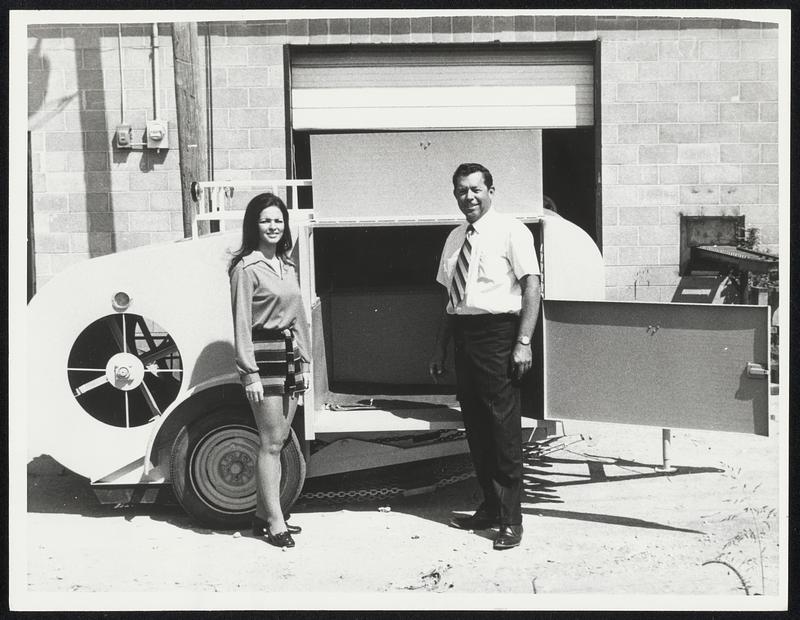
x=481, y=520
x=508, y=537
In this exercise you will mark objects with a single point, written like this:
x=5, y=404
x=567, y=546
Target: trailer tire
x=213, y=468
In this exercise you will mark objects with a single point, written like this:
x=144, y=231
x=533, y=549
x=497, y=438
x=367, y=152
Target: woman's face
x=270, y=225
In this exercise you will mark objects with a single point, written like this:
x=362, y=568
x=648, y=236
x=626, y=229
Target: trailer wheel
x=213, y=468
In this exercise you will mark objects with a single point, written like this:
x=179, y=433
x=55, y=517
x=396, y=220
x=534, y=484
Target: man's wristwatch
x=524, y=340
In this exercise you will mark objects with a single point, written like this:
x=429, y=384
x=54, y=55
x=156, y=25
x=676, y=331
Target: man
x=491, y=273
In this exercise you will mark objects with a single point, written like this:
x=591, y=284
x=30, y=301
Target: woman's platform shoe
x=261, y=527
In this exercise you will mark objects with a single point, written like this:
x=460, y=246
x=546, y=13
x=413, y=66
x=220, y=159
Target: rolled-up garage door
x=442, y=87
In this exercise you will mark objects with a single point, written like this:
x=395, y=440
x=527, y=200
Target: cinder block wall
x=689, y=125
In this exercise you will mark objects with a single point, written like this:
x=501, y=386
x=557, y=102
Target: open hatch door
x=694, y=366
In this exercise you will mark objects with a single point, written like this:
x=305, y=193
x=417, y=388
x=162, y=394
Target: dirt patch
x=598, y=517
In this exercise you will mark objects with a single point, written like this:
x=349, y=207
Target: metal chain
x=360, y=495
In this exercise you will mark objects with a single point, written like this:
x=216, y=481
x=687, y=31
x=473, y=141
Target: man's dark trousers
x=490, y=404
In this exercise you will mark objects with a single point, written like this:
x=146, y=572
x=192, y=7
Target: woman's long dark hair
x=250, y=236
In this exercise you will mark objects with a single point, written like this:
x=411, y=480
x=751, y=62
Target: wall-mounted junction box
x=156, y=134
x=122, y=137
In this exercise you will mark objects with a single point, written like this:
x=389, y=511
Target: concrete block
x=639, y=255
x=524, y=27
x=677, y=49
x=620, y=154
x=700, y=194
x=586, y=25
x=720, y=50
x=720, y=173
x=92, y=202
x=739, y=153
x=699, y=71
x=338, y=31
x=769, y=154
x=677, y=133
x=267, y=138
x=636, y=51
x=51, y=203
x=657, y=112
x=93, y=243
x=69, y=222
x=663, y=234
x=263, y=55
x=249, y=159
x=759, y=132
x=636, y=216
x=565, y=26
x=760, y=49
x=230, y=139
x=738, y=71
x=618, y=72
x=620, y=235
x=619, y=113
x=442, y=29
x=166, y=201
x=768, y=71
x=247, y=76
x=62, y=182
x=50, y=243
x=668, y=255
x=678, y=91
x=678, y=175
x=658, y=154
x=229, y=56
x=240, y=118
x=769, y=195
x=400, y=29
x=130, y=240
x=152, y=180
x=759, y=91
x=130, y=201
x=658, y=195
x=738, y=112
x=637, y=92
x=739, y=194
x=759, y=173
x=637, y=134
x=719, y=132
x=698, y=153
x=619, y=195
x=149, y=222
x=610, y=255
x=719, y=91
x=260, y=97
x=63, y=141
x=657, y=27
x=638, y=175
x=277, y=117
x=359, y=30
x=113, y=222
x=620, y=275
x=616, y=27
x=768, y=112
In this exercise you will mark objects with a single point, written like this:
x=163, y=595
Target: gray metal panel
x=384, y=337
x=667, y=365
x=409, y=173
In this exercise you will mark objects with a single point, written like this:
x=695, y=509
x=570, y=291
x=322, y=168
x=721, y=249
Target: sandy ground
x=598, y=518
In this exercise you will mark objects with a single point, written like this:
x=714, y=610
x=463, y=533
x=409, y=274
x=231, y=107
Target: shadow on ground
x=431, y=490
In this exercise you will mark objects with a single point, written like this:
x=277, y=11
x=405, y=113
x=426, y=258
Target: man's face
x=473, y=197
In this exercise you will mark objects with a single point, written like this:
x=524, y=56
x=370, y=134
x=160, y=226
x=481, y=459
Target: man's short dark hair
x=464, y=170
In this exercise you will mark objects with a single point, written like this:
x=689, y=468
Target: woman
x=272, y=352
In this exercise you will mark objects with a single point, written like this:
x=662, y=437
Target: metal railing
x=214, y=197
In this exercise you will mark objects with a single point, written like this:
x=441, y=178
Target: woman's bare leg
x=273, y=419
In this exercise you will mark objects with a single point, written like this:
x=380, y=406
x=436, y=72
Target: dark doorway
x=568, y=170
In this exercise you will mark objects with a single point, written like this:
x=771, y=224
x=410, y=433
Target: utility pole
x=191, y=125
